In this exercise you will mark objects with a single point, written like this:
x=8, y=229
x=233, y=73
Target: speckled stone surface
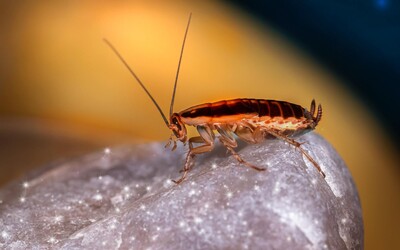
x=122, y=198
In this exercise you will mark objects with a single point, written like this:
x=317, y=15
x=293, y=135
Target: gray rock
x=123, y=198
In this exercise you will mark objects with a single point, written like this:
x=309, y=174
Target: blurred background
x=63, y=93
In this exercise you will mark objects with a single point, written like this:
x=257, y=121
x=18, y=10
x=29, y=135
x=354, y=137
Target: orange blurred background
x=64, y=93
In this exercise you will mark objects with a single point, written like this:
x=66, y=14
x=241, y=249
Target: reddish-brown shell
x=251, y=110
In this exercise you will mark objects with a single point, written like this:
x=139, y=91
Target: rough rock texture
x=123, y=198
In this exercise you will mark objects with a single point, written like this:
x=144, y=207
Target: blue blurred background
x=357, y=40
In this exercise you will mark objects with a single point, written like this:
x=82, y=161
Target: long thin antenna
x=137, y=78
x=171, y=108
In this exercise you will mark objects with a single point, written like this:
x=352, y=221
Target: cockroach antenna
x=137, y=79
x=171, y=108
x=141, y=83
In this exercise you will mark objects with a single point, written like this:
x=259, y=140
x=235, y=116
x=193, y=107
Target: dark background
x=357, y=40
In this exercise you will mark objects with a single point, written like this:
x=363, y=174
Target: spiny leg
x=190, y=157
x=170, y=141
x=245, y=132
x=186, y=168
x=230, y=143
x=298, y=146
x=240, y=159
x=206, y=137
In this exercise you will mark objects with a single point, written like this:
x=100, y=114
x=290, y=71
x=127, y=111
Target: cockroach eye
x=177, y=124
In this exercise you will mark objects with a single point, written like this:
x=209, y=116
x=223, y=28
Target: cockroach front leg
x=171, y=139
x=298, y=146
x=230, y=143
x=206, y=137
x=190, y=157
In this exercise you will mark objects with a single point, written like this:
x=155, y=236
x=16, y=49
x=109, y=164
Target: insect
x=251, y=120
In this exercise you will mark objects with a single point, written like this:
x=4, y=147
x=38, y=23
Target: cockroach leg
x=171, y=140
x=174, y=147
x=259, y=134
x=196, y=139
x=245, y=133
x=206, y=137
x=168, y=142
x=186, y=168
x=240, y=159
x=230, y=143
x=298, y=146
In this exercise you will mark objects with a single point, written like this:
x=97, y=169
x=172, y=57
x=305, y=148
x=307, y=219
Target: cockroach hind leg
x=316, y=165
x=322, y=173
x=303, y=152
x=254, y=167
x=298, y=146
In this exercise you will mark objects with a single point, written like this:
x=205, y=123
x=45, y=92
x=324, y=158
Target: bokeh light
x=64, y=93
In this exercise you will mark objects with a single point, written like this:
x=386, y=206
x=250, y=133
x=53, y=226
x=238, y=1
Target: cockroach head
x=178, y=127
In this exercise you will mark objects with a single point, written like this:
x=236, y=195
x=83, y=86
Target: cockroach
x=251, y=120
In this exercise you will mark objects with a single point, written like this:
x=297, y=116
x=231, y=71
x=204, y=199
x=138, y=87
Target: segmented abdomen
x=238, y=107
